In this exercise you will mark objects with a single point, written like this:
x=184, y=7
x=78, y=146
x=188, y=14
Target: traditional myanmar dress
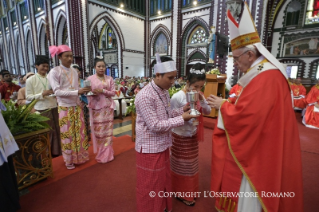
x=119, y=94
x=311, y=117
x=84, y=104
x=74, y=138
x=184, y=152
x=101, y=109
x=9, y=195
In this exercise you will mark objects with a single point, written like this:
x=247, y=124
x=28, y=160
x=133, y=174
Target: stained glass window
x=312, y=16
x=110, y=38
x=197, y=36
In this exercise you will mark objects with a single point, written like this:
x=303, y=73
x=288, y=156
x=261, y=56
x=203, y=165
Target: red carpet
x=120, y=144
x=111, y=186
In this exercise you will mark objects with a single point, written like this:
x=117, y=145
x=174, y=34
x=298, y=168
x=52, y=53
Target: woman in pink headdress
x=64, y=82
x=101, y=107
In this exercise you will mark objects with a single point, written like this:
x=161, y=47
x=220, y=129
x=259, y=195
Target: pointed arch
x=20, y=55
x=43, y=40
x=186, y=32
x=60, y=27
x=93, y=33
x=30, y=51
x=161, y=29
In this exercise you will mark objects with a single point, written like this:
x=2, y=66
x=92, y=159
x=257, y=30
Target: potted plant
x=20, y=119
x=33, y=161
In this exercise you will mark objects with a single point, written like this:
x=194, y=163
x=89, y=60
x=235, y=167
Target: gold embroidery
x=233, y=208
x=240, y=166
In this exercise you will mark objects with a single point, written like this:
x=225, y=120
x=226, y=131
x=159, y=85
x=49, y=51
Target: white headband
x=164, y=67
x=193, y=71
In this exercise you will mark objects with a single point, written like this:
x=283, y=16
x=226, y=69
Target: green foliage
x=131, y=108
x=214, y=71
x=19, y=119
x=173, y=90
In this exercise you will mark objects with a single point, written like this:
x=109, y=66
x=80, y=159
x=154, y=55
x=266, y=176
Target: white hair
x=252, y=48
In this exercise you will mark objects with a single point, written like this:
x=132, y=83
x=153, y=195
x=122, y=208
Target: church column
x=147, y=40
x=33, y=25
x=49, y=25
x=177, y=35
x=14, y=60
x=77, y=29
x=22, y=37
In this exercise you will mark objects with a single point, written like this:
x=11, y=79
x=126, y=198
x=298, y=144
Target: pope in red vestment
x=256, y=156
x=311, y=117
x=234, y=93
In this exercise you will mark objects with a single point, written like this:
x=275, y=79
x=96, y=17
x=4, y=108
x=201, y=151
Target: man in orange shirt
x=8, y=90
x=311, y=117
x=256, y=145
x=234, y=93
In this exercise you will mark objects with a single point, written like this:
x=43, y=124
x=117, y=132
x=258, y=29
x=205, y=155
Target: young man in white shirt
x=38, y=87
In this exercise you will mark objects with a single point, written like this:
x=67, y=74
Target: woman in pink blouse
x=101, y=107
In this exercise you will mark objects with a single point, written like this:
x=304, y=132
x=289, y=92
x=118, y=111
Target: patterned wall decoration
x=314, y=68
x=298, y=62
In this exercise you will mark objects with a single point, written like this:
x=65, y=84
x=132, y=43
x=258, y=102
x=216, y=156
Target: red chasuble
x=311, y=116
x=298, y=90
x=236, y=89
x=261, y=142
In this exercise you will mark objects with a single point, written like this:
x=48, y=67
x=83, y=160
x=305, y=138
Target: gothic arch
x=41, y=38
x=60, y=23
x=156, y=32
x=189, y=60
x=117, y=31
x=30, y=52
x=111, y=21
x=20, y=55
x=188, y=28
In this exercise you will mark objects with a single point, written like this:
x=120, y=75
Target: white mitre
x=245, y=33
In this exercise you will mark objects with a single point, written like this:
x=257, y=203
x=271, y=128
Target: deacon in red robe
x=311, y=117
x=8, y=88
x=299, y=92
x=256, y=155
x=234, y=93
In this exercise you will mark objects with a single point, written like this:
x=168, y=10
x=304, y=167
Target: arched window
x=197, y=36
x=293, y=12
x=107, y=38
x=161, y=45
x=65, y=40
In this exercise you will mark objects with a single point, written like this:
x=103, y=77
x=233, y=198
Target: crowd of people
x=255, y=145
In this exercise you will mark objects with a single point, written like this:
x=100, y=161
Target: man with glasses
x=256, y=146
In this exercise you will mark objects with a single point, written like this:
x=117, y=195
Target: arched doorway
x=30, y=52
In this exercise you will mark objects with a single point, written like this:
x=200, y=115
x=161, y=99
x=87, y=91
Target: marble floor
x=122, y=127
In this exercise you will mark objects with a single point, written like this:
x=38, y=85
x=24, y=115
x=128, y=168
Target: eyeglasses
x=236, y=58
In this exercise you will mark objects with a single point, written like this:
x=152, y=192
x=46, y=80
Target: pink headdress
x=56, y=50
